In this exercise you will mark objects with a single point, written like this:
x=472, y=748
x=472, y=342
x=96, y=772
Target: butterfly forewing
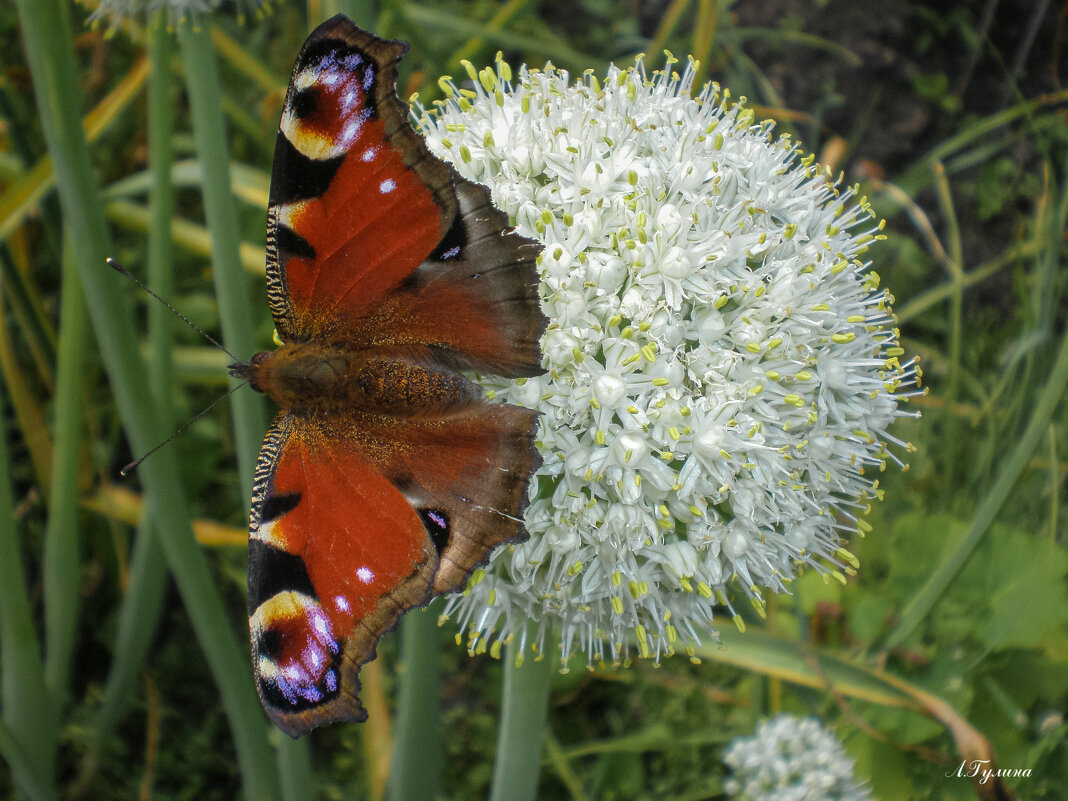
x=357, y=201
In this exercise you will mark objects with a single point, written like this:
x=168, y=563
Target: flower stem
x=524, y=709
x=415, y=769
x=142, y=604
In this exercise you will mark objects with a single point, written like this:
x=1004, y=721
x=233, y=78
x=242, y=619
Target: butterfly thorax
x=309, y=378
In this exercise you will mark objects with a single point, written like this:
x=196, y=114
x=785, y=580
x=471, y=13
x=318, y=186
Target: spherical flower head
x=791, y=759
x=721, y=364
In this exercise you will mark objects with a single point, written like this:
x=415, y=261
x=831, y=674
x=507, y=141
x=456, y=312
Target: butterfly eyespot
x=437, y=526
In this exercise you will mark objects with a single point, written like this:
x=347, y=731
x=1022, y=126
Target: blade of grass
x=28, y=711
x=250, y=184
x=376, y=733
x=62, y=561
x=524, y=711
x=19, y=761
x=45, y=26
x=119, y=503
x=231, y=283
x=245, y=63
x=476, y=45
x=34, y=324
x=797, y=663
x=560, y=763
x=139, y=615
x=31, y=421
x=704, y=35
x=142, y=603
x=952, y=262
x=941, y=292
x=919, y=175
x=557, y=49
x=668, y=21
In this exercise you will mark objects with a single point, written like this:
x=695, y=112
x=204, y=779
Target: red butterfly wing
x=356, y=519
x=336, y=554
x=356, y=201
x=361, y=213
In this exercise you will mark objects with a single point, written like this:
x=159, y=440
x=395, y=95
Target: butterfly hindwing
x=465, y=474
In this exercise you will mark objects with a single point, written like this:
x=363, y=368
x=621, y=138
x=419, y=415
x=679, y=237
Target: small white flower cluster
x=791, y=759
x=722, y=367
x=113, y=11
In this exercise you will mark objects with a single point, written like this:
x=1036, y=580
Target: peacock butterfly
x=385, y=478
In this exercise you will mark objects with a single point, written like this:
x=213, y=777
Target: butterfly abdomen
x=311, y=378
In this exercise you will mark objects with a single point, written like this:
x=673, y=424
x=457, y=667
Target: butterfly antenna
x=114, y=265
x=181, y=429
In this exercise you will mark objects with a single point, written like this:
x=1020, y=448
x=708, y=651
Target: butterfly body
x=314, y=378
x=386, y=477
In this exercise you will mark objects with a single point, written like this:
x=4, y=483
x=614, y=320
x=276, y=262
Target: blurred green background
x=123, y=667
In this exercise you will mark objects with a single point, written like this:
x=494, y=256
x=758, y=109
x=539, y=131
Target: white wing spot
x=342, y=603
x=387, y=186
x=369, y=154
x=365, y=574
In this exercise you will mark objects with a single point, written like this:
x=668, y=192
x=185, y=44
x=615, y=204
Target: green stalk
x=231, y=283
x=415, y=767
x=19, y=761
x=28, y=709
x=524, y=711
x=62, y=562
x=142, y=604
x=46, y=32
x=950, y=465
x=161, y=203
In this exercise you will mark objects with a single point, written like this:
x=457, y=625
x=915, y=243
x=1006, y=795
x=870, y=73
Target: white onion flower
x=791, y=759
x=722, y=365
